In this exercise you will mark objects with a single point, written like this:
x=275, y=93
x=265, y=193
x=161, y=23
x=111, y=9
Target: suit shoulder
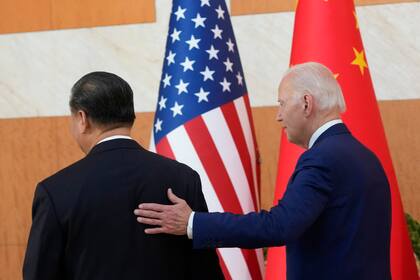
x=66, y=174
x=328, y=151
x=332, y=145
x=338, y=148
x=162, y=162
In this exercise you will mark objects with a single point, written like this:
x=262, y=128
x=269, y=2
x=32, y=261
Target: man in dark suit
x=82, y=216
x=334, y=217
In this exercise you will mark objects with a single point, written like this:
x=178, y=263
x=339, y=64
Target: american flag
x=203, y=117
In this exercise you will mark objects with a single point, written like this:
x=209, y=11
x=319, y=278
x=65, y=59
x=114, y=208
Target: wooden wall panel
x=67, y=150
x=34, y=148
x=401, y=121
x=143, y=127
x=36, y=15
x=28, y=154
x=267, y=131
x=379, y=2
x=83, y=13
x=24, y=15
x=11, y=259
x=245, y=7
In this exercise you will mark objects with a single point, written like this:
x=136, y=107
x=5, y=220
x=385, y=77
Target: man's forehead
x=284, y=89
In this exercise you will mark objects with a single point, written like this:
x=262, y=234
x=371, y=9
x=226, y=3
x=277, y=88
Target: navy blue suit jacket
x=334, y=218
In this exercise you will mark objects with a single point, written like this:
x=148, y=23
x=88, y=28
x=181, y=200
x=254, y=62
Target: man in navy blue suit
x=334, y=217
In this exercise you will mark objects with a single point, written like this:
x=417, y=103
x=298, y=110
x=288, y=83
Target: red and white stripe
x=220, y=146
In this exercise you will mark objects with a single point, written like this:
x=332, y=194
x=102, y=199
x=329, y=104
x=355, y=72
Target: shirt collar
x=113, y=137
x=321, y=130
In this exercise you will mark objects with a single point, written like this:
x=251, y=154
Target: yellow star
x=336, y=76
x=359, y=60
x=355, y=18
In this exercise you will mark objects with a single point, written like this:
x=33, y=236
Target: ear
x=308, y=104
x=83, y=122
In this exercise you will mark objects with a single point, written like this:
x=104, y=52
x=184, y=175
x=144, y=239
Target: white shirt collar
x=321, y=130
x=113, y=137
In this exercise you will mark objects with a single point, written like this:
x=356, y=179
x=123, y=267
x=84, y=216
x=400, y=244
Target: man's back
x=351, y=237
x=88, y=230
x=334, y=217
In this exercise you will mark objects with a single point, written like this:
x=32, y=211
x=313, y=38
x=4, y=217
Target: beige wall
x=38, y=68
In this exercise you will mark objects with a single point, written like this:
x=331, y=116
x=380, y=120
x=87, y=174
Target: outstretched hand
x=171, y=219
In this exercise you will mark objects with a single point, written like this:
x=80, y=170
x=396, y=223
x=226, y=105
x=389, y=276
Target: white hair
x=319, y=81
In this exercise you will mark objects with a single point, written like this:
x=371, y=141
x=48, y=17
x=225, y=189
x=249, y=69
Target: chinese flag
x=327, y=32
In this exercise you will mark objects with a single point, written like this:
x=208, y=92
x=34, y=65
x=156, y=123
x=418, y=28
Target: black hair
x=106, y=99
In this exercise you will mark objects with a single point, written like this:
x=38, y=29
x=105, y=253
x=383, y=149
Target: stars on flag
x=359, y=60
x=193, y=43
x=180, y=13
x=212, y=53
x=205, y=2
x=166, y=81
x=158, y=125
x=226, y=85
x=230, y=45
x=228, y=65
x=188, y=64
x=220, y=12
x=182, y=87
x=202, y=95
x=201, y=68
x=217, y=32
x=171, y=58
x=239, y=78
x=207, y=74
x=162, y=103
x=176, y=109
x=199, y=21
x=175, y=35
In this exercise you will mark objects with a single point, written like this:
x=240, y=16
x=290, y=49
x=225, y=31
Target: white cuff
x=190, y=226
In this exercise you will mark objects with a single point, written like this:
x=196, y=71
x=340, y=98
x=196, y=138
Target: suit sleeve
x=205, y=262
x=45, y=249
x=304, y=200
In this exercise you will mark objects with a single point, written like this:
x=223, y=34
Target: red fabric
x=327, y=32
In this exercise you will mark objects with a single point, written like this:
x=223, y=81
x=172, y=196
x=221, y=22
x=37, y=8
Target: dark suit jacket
x=84, y=226
x=334, y=217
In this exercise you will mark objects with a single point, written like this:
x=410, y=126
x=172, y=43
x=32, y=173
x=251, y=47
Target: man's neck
x=102, y=134
x=320, y=130
x=319, y=122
